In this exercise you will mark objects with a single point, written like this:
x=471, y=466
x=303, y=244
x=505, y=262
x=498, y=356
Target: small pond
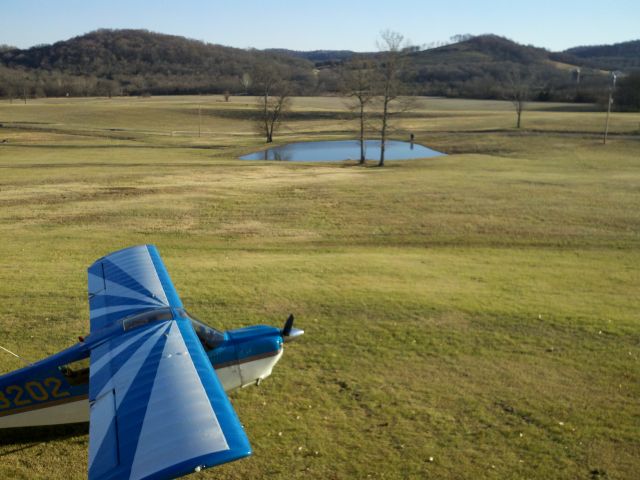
x=337, y=151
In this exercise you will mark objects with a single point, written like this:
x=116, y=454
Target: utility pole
x=612, y=87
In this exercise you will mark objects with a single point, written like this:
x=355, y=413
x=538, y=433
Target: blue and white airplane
x=149, y=377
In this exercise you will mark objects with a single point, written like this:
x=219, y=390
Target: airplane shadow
x=28, y=437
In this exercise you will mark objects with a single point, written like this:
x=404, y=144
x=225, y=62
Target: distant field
x=468, y=316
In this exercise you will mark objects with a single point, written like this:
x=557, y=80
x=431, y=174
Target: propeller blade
x=288, y=325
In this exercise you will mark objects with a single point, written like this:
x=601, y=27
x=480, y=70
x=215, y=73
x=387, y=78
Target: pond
x=336, y=151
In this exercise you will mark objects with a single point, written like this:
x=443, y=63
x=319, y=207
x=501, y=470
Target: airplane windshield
x=209, y=337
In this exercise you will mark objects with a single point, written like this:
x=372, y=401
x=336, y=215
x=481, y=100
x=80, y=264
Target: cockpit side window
x=209, y=337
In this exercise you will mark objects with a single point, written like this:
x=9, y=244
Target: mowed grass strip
x=470, y=316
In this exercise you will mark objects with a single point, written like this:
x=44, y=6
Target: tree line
x=138, y=62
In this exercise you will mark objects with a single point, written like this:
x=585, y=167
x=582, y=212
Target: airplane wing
x=127, y=282
x=158, y=409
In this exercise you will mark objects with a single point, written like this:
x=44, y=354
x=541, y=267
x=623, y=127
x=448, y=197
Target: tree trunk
x=271, y=125
x=265, y=117
x=383, y=130
x=606, y=126
x=519, y=111
x=362, y=156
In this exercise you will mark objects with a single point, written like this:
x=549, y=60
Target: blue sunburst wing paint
x=158, y=410
x=127, y=282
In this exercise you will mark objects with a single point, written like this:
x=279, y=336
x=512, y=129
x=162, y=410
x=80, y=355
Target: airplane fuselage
x=53, y=391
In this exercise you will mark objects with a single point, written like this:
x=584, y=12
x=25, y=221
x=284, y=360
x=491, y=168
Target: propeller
x=288, y=332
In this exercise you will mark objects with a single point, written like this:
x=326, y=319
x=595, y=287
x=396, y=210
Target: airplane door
x=225, y=363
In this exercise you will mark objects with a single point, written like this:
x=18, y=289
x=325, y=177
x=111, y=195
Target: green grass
x=469, y=316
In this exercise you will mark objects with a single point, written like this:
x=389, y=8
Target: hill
x=136, y=62
x=480, y=67
x=619, y=56
x=139, y=61
x=477, y=67
x=484, y=48
x=320, y=58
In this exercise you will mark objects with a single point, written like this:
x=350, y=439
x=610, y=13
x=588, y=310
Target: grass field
x=468, y=316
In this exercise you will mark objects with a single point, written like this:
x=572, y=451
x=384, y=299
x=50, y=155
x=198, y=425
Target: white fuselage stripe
x=72, y=412
x=78, y=411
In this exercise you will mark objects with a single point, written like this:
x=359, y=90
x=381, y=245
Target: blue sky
x=326, y=24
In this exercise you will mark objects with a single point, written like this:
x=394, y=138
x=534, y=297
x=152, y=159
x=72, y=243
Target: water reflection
x=336, y=151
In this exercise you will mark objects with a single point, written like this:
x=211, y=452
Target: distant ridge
x=480, y=67
x=146, y=61
x=490, y=47
x=619, y=56
x=135, y=62
x=319, y=57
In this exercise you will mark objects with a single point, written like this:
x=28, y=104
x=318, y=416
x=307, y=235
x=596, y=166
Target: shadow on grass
x=27, y=437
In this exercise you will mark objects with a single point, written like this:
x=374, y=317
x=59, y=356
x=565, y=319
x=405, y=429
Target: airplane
x=149, y=377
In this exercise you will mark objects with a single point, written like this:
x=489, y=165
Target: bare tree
x=612, y=87
x=245, y=81
x=273, y=101
x=519, y=88
x=358, y=83
x=389, y=68
x=10, y=90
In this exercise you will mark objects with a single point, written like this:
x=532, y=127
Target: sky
x=326, y=24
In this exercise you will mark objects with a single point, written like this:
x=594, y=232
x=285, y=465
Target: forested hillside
x=619, y=56
x=133, y=62
x=481, y=66
x=139, y=62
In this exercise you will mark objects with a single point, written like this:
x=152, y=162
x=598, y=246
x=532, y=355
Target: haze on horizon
x=327, y=25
